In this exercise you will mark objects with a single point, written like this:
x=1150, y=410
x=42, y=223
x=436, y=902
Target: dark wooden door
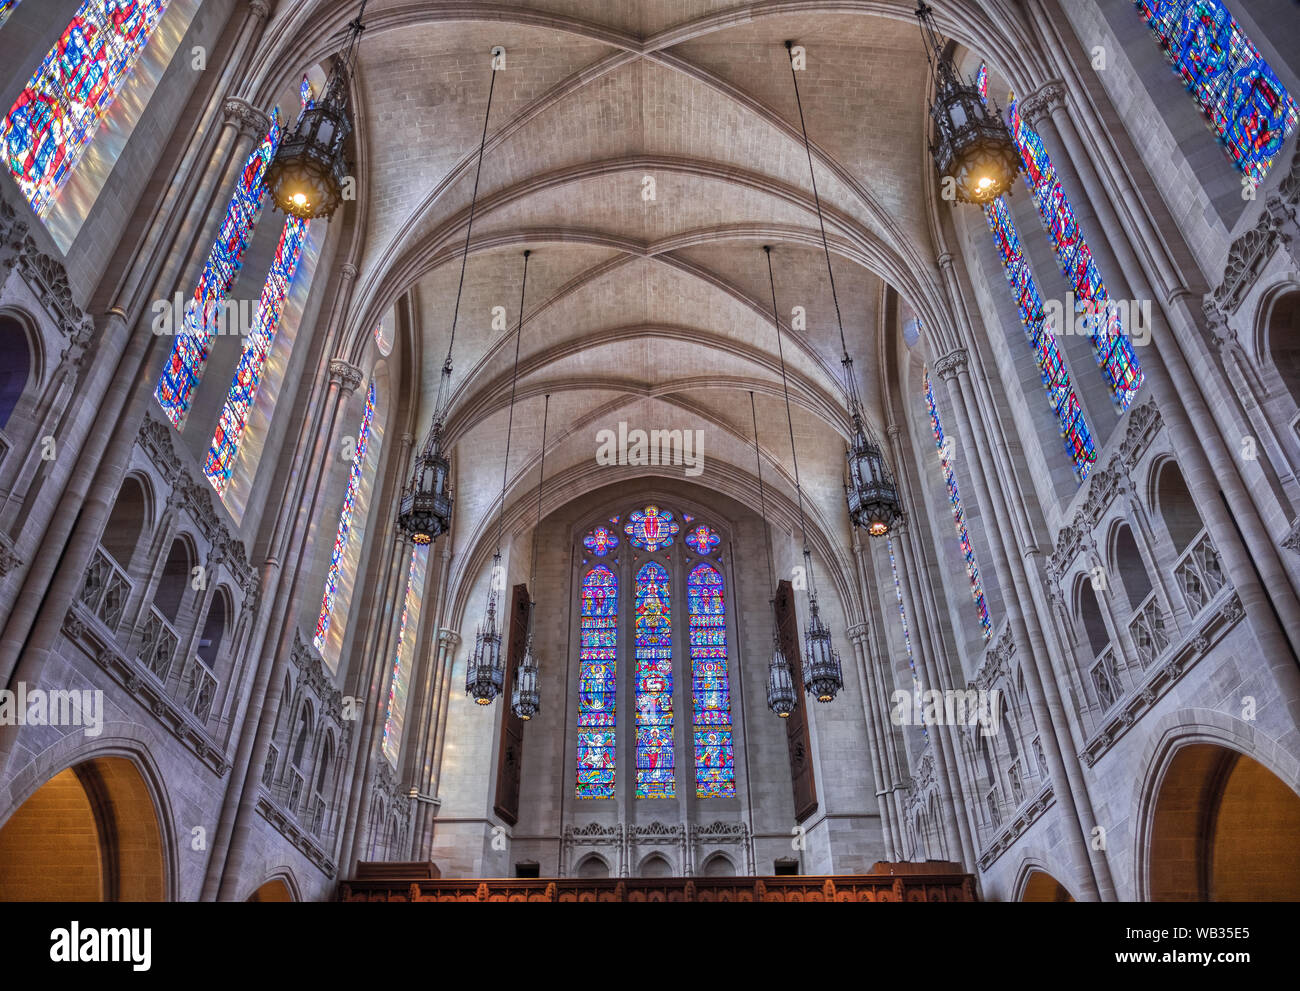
x=796, y=724
x=510, y=749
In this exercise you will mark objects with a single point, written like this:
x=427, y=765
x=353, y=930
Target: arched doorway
x=90, y=833
x=274, y=890
x=1042, y=887
x=1225, y=828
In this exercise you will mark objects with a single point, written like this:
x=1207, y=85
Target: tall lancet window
x=220, y=462
x=1111, y=346
x=597, y=688
x=1075, y=434
x=399, y=678
x=654, y=684
x=715, y=763
x=7, y=8
x=958, y=513
x=203, y=312
x=1249, y=110
x=345, y=519
x=57, y=115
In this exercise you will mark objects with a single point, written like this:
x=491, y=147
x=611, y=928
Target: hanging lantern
x=781, y=697
x=871, y=492
x=823, y=673
x=871, y=495
x=485, y=674
x=972, y=146
x=424, y=512
x=525, y=699
x=425, y=509
x=308, y=174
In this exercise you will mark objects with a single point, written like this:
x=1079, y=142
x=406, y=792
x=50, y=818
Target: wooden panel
x=796, y=724
x=510, y=748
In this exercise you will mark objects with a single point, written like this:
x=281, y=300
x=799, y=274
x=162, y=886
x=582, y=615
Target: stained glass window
x=1051, y=366
x=399, y=679
x=7, y=8
x=345, y=519
x=597, y=689
x=1249, y=110
x=703, y=538
x=57, y=114
x=651, y=529
x=248, y=373
x=715, y=766
x=654, y=682
x=600, y=541
x=982, y=82
x=907, y=635
x=184, y=369
x=1111, y=346
x=958, y=514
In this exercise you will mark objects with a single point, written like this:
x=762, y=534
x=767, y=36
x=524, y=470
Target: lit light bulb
x=299, y=199
x=985, y=183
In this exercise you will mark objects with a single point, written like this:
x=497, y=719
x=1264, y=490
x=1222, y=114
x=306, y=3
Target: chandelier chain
x=850, y=384
x=510, y=419
x=541, y=477
x=469, y=227
x=789, y=419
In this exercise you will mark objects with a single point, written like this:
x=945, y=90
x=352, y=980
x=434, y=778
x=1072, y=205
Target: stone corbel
x=1042, y=103
x=346, y=374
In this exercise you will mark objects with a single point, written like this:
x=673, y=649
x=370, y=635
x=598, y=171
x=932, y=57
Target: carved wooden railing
x=803, y=888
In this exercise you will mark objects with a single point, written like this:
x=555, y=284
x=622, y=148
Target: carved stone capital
x=951, y=364
x=1039, y=105
x=348, y=271
x=9, y=560
x=1292, y=539
x=450, y=638
x=346, y=374
x=250, y=121
x=261, y=9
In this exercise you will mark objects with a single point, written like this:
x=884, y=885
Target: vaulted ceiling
x=657, y=311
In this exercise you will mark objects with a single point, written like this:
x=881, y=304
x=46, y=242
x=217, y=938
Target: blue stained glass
x=1111, y=345
x=958, y=514
x=58, y=113
x=1248, y=108
x=715, y=771
x=7, y=8
x=597, y=689
x=651, y=529
x=1075, y=435
x=345, y=519
x=600, y=541
x=654, y=683
x=220, y=462
x=703, y=538
x=202, y=319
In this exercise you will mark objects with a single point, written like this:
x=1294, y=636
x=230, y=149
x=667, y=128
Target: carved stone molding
x=346, y=374
x=195, y=498
x=48, y=280
x=314, y=676
x=260, y=9
x=1042, y=102
x=1248, y=256
x=9, y=559
x=251, y=122
x=951, y=364
x=1292, y=539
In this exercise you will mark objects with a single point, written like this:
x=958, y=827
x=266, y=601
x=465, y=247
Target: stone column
x=237, y=822
x=1053, y=723
x=870, y=709
x=944, y=744
x=1203, y=457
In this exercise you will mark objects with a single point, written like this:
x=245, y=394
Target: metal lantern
x=485, y=675
x=781, y=697
x=823, y=674
x=525, y=699
x=308, y=174
x=425, y=511
x=972, y=146
x=871, y=492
